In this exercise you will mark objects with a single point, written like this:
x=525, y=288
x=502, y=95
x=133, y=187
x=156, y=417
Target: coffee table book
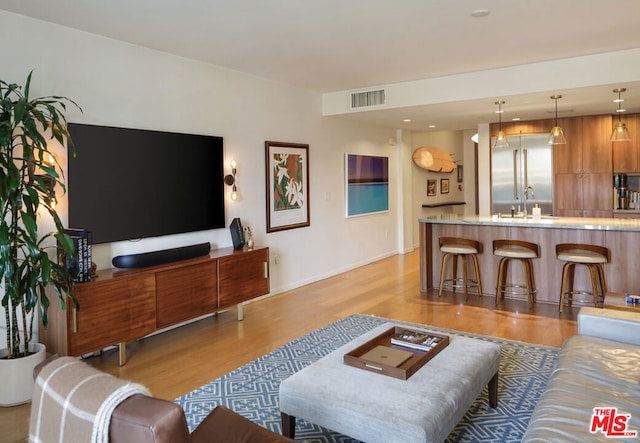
x=404, y=370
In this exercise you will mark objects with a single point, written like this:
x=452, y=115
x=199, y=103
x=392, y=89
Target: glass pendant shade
x=556, y=136
x=501, y=140
x=620, y=133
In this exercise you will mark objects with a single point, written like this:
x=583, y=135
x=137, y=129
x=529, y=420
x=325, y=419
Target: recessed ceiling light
x=480, y=13
x=432, y=126
x=407, y=120
x=515, y=119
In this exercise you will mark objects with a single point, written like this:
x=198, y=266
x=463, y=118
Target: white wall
x=452, y=142
x=119, y=84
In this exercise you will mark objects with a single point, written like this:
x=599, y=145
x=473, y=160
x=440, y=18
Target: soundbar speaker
x=161, y=257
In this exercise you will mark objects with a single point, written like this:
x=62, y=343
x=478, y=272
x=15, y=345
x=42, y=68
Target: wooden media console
x=122, y=305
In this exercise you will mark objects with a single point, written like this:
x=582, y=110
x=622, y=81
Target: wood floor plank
x=175, y=362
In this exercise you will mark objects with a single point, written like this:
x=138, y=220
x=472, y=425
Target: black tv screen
x=128, y=184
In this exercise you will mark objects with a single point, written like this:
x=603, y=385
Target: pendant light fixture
x=501, y=138
x=556, y=136
x=620, y=132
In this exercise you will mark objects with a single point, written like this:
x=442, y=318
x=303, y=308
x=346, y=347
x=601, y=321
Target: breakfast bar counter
x=620, y=236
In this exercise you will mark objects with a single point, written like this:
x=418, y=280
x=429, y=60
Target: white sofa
x=598, y=368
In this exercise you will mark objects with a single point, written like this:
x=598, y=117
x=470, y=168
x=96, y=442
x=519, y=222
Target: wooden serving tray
x=406, y=369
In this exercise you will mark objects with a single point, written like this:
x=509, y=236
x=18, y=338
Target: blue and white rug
x=252, y=390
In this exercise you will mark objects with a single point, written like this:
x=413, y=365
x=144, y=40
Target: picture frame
x=366, y=184
x=460, y=173
x=431, y=188
x=444, y=186
x=287, y=185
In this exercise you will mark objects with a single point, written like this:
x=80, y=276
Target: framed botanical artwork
x=287, y=173
x=460, y=175
x=431, y=188
x=444, y=186
x=367, y=184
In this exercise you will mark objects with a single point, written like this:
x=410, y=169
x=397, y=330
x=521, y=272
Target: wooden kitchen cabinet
x=567, y=159
x=583, y=195
x=588, y=149
x=583, y=168
x=596, y=147
x=122, y=305
x=512, y=128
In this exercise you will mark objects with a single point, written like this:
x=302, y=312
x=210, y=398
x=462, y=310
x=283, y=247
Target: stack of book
x=423, y=341
x=78, y=264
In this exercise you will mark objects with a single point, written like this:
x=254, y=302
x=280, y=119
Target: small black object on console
x=237, y=234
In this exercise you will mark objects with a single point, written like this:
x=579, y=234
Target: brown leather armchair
x=143, y=419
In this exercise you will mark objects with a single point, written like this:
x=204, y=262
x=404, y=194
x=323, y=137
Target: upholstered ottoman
x=377, y=408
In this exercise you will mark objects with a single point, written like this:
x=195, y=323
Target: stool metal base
x=456, y=282
x=598, y=285
x=528, y=289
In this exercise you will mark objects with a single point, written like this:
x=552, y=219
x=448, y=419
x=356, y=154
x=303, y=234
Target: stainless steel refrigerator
x=525, y=166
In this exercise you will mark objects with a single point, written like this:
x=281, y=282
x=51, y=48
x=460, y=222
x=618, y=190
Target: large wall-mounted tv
x=126, y=184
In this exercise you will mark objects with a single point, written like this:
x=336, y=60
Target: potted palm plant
x=29, y=174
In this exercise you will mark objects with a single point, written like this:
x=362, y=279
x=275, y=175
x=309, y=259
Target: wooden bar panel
x=426, y=257
x=620, y=272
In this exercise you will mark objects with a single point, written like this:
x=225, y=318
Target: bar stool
x=592, y=257
x=524, y=252
x=460, y=248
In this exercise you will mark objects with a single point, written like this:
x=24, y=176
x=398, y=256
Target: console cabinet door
x=111, y=311
x=243, y=276
x=185, y=292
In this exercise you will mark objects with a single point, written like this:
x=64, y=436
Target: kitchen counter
x=621, y=236
x=599, y=224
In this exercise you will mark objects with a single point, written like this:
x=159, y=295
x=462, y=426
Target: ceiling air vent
x=367, y=98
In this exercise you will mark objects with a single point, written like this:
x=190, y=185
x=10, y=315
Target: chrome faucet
x=526, y=197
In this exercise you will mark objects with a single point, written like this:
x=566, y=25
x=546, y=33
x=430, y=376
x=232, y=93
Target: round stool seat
x=458, y=249
x=514, y=252
x=581, y=256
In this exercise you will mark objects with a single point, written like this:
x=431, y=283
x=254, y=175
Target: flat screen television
x=126, y=184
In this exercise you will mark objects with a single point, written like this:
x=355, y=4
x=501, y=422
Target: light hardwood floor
x=177, y=361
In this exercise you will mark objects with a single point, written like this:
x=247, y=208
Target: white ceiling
x=335, y=45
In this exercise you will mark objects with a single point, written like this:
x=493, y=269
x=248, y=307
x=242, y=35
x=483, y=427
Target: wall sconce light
x=501, y=138
x=556, y=136
x=230, y=180
x=620, y=132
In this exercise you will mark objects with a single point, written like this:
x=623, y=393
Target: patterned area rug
x=252, y=390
